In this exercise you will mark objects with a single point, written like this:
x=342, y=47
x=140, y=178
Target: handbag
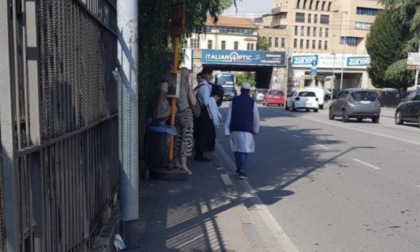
x=195, y=108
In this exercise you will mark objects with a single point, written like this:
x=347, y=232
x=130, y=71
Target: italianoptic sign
x=236, y=57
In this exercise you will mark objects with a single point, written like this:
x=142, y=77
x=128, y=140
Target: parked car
x=320, y=93
x=355, y=103
x=259, y=94
x=302, y=99
x=409, y=109
x=274, y=96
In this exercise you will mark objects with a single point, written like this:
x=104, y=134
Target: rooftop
x=232, y=22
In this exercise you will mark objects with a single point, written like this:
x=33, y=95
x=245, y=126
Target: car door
x=290, y=99
x=335, y=105
x=414, y=108
x=406, y=106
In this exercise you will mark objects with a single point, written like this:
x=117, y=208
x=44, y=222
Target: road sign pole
x=417, y=74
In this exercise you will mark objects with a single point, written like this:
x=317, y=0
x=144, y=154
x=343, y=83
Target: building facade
x=334, y=29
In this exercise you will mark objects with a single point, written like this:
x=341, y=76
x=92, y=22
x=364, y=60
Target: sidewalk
x=203, y=213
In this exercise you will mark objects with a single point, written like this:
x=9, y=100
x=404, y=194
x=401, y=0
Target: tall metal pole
x=333, y=78
x=342, y=54
x=128, y=109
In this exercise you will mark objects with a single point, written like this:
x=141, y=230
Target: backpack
x=215, y=89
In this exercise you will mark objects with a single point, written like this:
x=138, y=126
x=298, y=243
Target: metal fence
x=59, y=127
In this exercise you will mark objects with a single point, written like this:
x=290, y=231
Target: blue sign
x=305, y=60
x=358, y=61
x=231, y=57
x=314, y=71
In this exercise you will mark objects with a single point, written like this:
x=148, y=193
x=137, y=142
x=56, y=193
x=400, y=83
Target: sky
x=249, y=8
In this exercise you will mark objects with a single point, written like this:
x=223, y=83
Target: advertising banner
x=235, y=57
x=324, y=60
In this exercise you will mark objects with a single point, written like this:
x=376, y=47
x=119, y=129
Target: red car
x=274, y=96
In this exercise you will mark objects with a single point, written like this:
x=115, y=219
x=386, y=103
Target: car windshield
x=262, y=91
x=276, y=92
x=307, y=94
x=363, y=96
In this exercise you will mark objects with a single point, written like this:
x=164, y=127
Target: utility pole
x=127, y=16
x=342, y=55
x=417, y=73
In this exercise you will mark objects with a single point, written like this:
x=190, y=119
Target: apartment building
x=334, y=30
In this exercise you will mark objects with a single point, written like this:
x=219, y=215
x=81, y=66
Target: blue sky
x=250, y=8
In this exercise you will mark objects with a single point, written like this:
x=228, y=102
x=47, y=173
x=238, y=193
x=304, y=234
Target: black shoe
x=202, y=159
x=242, y=175
x=237, y=171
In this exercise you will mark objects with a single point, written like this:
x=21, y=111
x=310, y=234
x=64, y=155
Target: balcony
x=276, y=10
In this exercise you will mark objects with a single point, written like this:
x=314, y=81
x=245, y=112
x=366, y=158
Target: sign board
x=413, y=61
x=326, y=60
x=313, y=68
x=236, y=57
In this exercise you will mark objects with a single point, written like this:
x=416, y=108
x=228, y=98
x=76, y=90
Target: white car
x=302, y=99
x=319, y=92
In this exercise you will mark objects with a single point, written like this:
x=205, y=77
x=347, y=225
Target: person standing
x=242, y=123
x=204, y=130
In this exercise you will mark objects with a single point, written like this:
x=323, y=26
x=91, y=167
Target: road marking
x=367, y=164
x=275, y=227
x=188, y=242
x=418, y=186
x=296, y=136
x=365, y=131
x=269, y=124
x=323, y=146
x=226, y=179
x=282, y=130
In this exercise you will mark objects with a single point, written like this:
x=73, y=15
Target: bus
x=227, y=80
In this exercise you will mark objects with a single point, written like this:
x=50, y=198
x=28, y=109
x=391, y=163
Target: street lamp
x=333, y=77
x=342, y=54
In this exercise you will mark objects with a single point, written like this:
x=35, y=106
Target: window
x=301, y=43
x=320, y=31
x=313, y=44
x=304, y=4
x=325, y=45
x=195, y=43
x=323, y=6
x=276, y=42
x=309, y=18
x=317, y=4
x=235, y=45
x=252, y=46
x=363, y=26
x=326, y=32
x=307, y=44
x=367, y=11
x=296, y=30
x=324, y=19
x=308, y=32
x=319, y=44
x=269, y=42
x=248, y=46
x=310, y=5
x=329, y=6
x=315, y=18
x=223, y=45
x=300, y=17
x=208, y=29
x=348, y=40
x=283, y=42
x=297, y=5
x=314, y=32
x=210, y=44
x=302, y=30
x=295, y=43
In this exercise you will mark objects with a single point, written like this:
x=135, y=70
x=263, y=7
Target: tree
x=262, y=43
x=385, y=46
x=245, y=77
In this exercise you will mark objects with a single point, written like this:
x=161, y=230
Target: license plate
x=365, y=102
x=276, y=97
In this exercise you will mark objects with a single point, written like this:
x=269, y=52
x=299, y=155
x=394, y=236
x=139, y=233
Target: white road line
x=282, y=130
x=365, y=131
x=367, y=164
x=226, y=179
x=323, y=146
x=296, y=136
x=418, y=186
x=188, y=242
x=269, y=124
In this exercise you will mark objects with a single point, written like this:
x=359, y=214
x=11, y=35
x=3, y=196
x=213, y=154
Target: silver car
x=355, y=103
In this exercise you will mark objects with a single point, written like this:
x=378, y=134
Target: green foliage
x=262, y=43
x=385, y=47
x=245, y=77
x=155, y=45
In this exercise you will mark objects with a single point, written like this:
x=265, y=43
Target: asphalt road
x=334, y=186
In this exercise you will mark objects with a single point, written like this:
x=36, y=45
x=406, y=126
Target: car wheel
x=398, y=119
x=344, y=116
x=331, y=115
x=279, y=105
x=359, y=119
x=321, y=106
x=419, y=121
x=375, y=119
x=315, y=110
x=293, y=107
x=287, y=107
